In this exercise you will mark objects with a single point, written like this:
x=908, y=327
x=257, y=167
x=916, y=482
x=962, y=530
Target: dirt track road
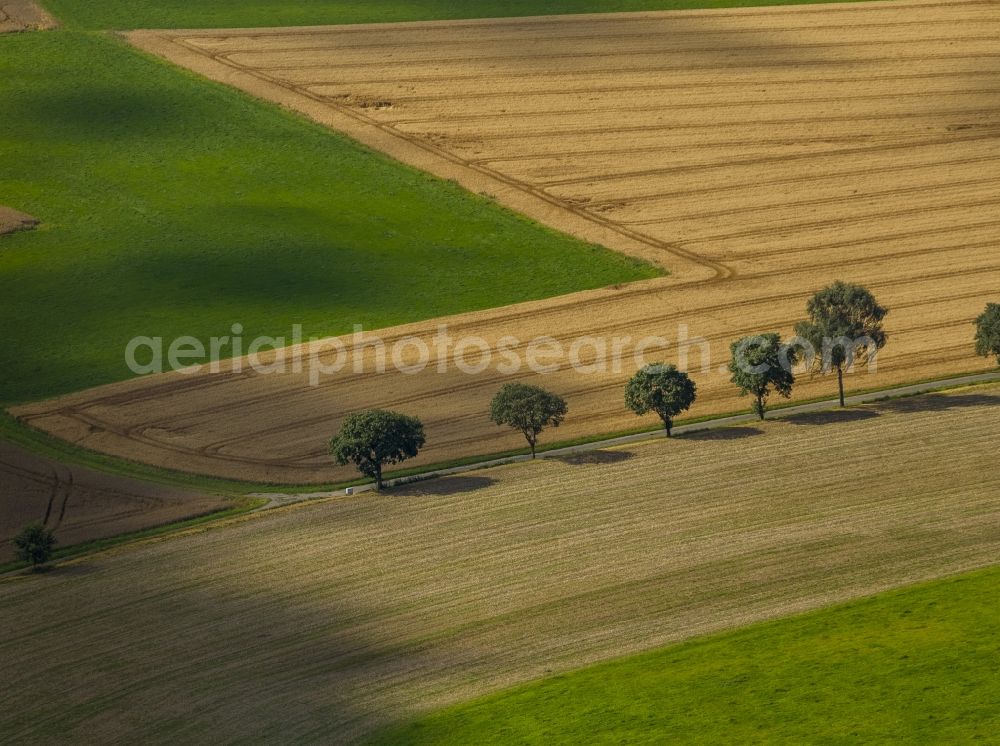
x=757, y=153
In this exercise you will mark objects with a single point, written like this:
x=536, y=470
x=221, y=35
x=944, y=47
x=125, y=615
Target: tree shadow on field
x=595, y=457
x=725, y=433
x=939, y=402
x=831, y=417
x=442, y=486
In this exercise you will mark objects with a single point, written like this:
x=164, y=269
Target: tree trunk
x=760, y=407
x=532, y=444
x=378, y=478
x=667, y=425
x=840, y=384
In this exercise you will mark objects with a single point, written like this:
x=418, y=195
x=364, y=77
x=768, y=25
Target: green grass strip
x=128, y=14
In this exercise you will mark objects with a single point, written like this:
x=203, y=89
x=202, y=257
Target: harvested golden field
x=324, y=621
x=758, y=154
x=81, y=504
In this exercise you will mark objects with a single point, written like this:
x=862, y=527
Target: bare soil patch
x=24, y=15
x=757, y=153
x=323, y=622
x=80, y=504
x=12, y=220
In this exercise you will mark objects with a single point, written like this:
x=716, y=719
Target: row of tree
x=844, y=323
x=760, y=365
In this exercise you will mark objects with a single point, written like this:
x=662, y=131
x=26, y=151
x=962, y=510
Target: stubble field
x=327, y=621
x=758, y=154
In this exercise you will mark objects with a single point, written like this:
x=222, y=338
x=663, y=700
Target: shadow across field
x=264, y=703
x=718, y=45
x=99, y=113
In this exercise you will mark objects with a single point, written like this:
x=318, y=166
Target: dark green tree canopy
x=372, y=438
x=988, y=332
x=34, y=544
x=760, y=364
x=529, y=409
x=661, y=389
x=844, y=327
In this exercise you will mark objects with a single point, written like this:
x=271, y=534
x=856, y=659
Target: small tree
x=372, y=438
x=34, y=544
x=529, y=409
x=988, y=332
x=661, y=389
x=844, y=326
x=759, y=364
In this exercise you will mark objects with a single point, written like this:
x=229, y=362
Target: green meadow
x=175, y=206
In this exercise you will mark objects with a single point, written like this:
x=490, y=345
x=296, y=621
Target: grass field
x=129, y=14
x=759, y=154
x=175, y=206
x=328, y=621
x=911, y=666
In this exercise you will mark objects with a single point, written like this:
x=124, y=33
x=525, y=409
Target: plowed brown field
x=322, y=622
x=756, y=153
x=80, y=504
